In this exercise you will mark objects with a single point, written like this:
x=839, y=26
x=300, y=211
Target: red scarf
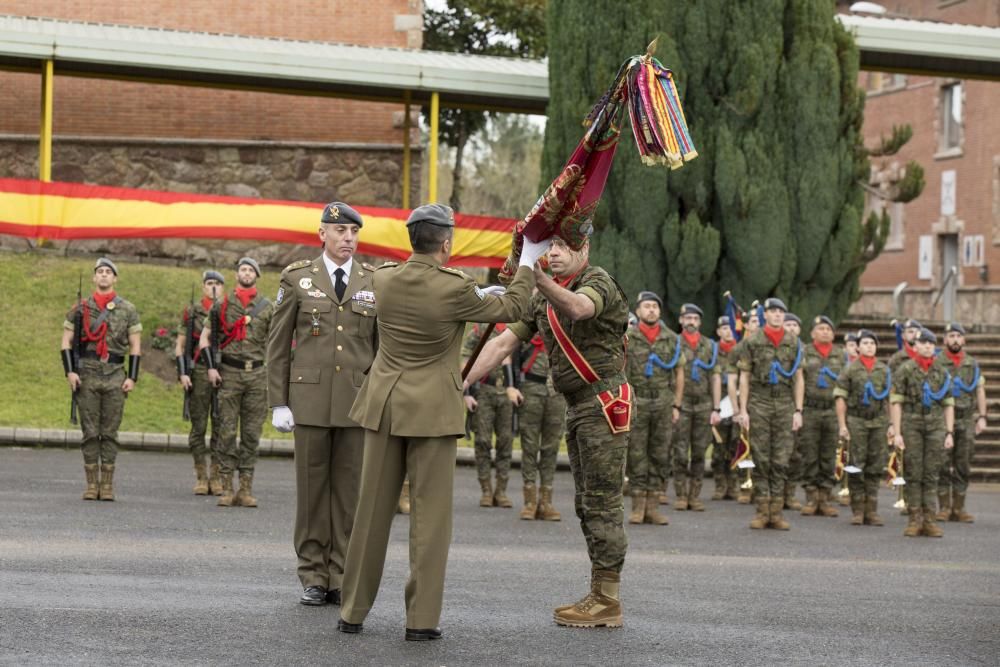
x=650, y=331
x=726, y=347
x=868, y=362
x=692, y=339
x=955, y=358
x=207, y=302
x=537, y=348
x=924, y=362
x=246, y=295
x=563, y=282
x=500, y=327
x=100, y=336
x=238, y=331
x=774, y=335
x=911, y=350
x=102, y=300
x=823, y=348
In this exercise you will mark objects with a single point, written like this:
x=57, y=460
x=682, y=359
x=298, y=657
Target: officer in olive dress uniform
x=326, y=306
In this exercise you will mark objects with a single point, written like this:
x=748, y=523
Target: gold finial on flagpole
x=651, y=49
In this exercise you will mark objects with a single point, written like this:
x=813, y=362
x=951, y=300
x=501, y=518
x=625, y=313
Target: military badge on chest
x=365, y=298
x=315, y=322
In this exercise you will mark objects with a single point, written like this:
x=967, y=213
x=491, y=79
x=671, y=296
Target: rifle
x=75, y=346
x=215, y=322
x=187, y=359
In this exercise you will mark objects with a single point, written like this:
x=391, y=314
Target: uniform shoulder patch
x=367, y=267
x=454, y=272
x=386, y=265
x=302, y=263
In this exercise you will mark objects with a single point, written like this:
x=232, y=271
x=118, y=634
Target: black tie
x=339, y=285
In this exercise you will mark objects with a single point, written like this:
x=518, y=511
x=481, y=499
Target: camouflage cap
x=340, y=213
x=646, y=295
x=104, y=261
x=249, y=262
x=212, y=275
x=435, y=214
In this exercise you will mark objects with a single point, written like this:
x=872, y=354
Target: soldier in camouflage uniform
x=541, y=412
x=771, y=394
x=194, y=380
x=794, y=325
x=968, y=388
x=923, y=418
x=694, y=428
x=656, y=373
x=492, y=413
x=751, y=324
x=911, y=329
x=822, y=365
x=590, y=313
x=94, y=365
x=727, y=479
x=862, y=406
x=851, y=351
x=237, y=369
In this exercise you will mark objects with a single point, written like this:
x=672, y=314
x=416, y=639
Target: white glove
x=495, y=290
x=533, y=251
x=282, y=420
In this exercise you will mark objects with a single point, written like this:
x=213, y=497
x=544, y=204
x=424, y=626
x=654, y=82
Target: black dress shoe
x=422, y=635
x=314, y=596
x=349, y=628
x=333, y=596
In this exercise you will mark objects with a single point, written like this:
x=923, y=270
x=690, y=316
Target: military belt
x=919, y=409
x=592, y=390
x=112, y=358
x=961, y=413
x=774, y=390
x=244, y=364
x=865, y=414
x=646, y=393
x=532, y=377
x=818, y=403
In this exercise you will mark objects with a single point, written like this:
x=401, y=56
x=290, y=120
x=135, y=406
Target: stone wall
x=975, y=307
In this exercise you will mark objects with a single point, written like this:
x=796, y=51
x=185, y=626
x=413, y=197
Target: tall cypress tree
x=772, y=205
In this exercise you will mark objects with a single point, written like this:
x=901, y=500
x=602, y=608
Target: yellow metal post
x=432, y=179
x=45, y=131
x=406, y=149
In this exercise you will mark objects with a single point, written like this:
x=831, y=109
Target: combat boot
x=930, y=527
x=871, y=512
x=744, y=496
x=823, y=506
x=500, y=498
x=581, y=601
x=681, y=502
x=732, y=486
x=812, y=501
x=107, y=490
x=602, y=608
x=91, y=470
x=546, y=511
x=486, y=500
x=653, y=515
x=913, y=525
x=791, y=502
x=842, y=498
x=944, y=506
x=226, y=498
x=720, y=485
x=761, y=518
x=201, y=479
x=638, y=507
x=403, y=507
x=958, y=512
x=530, y=502
x=244, y=497
x=777, y=520
x=214, y=482
x=857, y=511
x=694, y=502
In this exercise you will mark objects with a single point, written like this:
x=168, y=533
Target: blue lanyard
x=870, y=392
x=932, y=396
x=825, y=373
x=654, y=358
x=776, y=367
x=957, y=386
x=698, y=363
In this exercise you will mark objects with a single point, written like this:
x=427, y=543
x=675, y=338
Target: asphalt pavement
x=162, y=577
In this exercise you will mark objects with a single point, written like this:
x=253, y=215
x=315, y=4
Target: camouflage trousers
x=493, y=415
x=723, y=453
x=597, y=459
x=923, y=436
x=242, y=406
x=795, y=460
x=101, y=404
x=868, y=451
x=200, y=408
x=692, y=435
x=817, y=445
x=541, y=422
x=770, y=439
x=954, y=476
x=649, y=443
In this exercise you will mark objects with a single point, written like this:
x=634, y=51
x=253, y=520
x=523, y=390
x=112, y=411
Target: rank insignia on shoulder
x=302, y=263
x=281, y=295
x=305, y=283
x=480, y=293
x=387, y=265
x=367, y=267
x=454, y=272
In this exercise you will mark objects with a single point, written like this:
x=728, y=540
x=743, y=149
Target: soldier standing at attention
x=656, y=373
x=771, y=395
x=411, y=408
x=109, y=330
x=923, y=419
x=794, y=325
x=194, y=379
x=492, y=412
x=968, y=388
x=751, y=325
x=823, y=364
x=727, y=480
x=911, y=329
x=862, y=397
x=242, y=320
x=327, y=307
x=694, y=428
x=851, y=351
x=582, y=314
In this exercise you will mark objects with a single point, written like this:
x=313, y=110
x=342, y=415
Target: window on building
x=878, y=82
x=951, y=116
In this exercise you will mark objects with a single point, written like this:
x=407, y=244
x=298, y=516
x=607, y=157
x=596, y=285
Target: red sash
x=617, y=409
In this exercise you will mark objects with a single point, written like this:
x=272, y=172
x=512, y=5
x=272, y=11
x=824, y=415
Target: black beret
x=822, y=319
x=435, y=214
x=926, y=336
x=956, y=327
x=340, y=213
x=691, y=309
x=646, y=295
x=723, y=322
x=867, y=333
x=104, y=261
x=792, y=317
x=249, y=262
x=212, y=275
x=852, y=337
x=912, y=324
x=775, y=302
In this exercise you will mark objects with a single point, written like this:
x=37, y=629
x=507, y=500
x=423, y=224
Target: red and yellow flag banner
x=64, y=211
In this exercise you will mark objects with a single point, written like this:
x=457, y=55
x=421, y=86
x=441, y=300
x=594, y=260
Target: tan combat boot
x=930, y=526
x=244, y=497
x=602, y=608
x=871, y=512
x=944, y=506
x=226, y=499
x=500, y=498
x=744, y=496
x=91, y=470
x=201, y=479
x=812, y=501
x=857, y=511
x=583, y=600
x=107, y=490
x=823, y=506
x=530, y=502
x=681, y=502
x=913, y=525
x=844, y=499
x=546, y=511
x=791, y=502
x=958, y=512
x=486, y=499
x=653, y=515
x=638, y=506
x=214, y=482
x=694, y=502
x=732, y=486
x=403, y=506
x=777, y=520
x=719, y=492
x=761, y=518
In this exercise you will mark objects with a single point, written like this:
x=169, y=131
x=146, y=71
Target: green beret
x=340, y=213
